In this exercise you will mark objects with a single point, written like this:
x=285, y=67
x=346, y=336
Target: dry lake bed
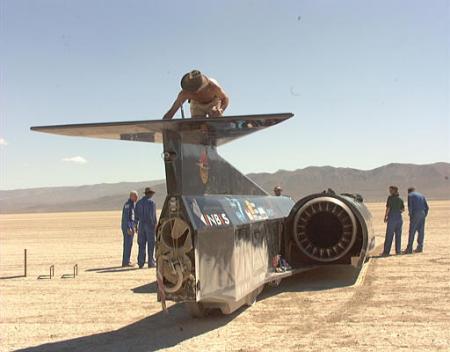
x=402, y=303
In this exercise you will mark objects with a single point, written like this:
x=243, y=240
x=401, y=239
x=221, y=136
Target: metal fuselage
x=217, y=228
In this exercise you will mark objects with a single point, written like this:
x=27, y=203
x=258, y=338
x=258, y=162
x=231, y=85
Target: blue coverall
x=418, y=210
x=394, y=226
x=128, y=223
x=146, y=215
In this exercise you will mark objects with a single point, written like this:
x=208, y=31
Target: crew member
x=146, y=216
x=418, y=211
x=206, y=96
x=128, y=227
x=277, y=190
x=393, y=217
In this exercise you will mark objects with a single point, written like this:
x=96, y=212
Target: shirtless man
x=206, y=96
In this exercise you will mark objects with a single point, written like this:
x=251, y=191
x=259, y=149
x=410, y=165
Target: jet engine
x=329, y=229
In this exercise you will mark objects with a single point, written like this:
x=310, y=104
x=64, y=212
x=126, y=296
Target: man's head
x=411, y=189
x=133, y=196
x=277, y=190
x=193, y=81
x=149, y=192
x=393, y=190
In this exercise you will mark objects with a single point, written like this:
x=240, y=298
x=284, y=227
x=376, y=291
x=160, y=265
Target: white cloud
x=3, y=142
x=75, y=160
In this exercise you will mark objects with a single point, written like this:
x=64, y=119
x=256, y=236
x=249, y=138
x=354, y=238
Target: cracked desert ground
x=401, y=304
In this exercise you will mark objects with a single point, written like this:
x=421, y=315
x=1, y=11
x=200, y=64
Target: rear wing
x=205, y=131
x=193, y=166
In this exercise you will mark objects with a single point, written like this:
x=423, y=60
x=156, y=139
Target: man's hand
x=386, y=219
x=216, y=111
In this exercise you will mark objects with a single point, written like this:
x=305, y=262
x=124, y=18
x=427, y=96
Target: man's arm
x=137, y=212
x=130, y=218
x=125, y=213
x=182, y=97
x=410, y=205
x=426, y=206
x=153, y=214
x=386, y=214
x=224, y=100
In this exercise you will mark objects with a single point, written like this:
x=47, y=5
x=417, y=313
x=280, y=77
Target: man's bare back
x=206, y=96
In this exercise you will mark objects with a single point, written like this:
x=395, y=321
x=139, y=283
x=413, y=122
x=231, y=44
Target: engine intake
x=327, y=228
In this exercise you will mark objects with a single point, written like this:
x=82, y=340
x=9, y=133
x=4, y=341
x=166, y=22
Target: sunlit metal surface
x=211, y=131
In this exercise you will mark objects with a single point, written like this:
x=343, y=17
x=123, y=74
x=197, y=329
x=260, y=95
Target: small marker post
x=25, y=262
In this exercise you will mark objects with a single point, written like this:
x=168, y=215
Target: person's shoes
x=141, y=266
x=384, y=254
x=152, y=265
x=418, y=250
x=398, y=253
x=407, y=251
x=129, y=265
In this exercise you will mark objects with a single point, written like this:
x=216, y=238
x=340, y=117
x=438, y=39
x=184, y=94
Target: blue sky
x=368, y=81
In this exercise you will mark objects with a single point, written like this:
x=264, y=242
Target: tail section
x=193, y=166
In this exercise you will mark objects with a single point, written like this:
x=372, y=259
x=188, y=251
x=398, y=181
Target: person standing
x=418, y=211
x=393, y=218
x=128, y=227
x=146, y=216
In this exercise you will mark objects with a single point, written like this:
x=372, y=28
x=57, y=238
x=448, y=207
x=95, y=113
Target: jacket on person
x=417, y=203
x=146, y=211
x=128, y=215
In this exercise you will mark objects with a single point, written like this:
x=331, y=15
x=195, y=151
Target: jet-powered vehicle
x=219, y=234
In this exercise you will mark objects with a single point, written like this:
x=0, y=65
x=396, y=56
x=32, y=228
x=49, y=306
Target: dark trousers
x=394, y=227
x=146, y=242
x=416, y=224
x=127, y=245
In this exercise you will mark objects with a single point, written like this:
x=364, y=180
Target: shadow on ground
x=157, y=331
x=12, y=277
x=318, y=279
x=162, y=330
x=112, y=269
x=147, y=288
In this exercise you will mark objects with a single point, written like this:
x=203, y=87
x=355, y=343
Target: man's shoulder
x=214, y=82
x=148, y=200
x=415, y=195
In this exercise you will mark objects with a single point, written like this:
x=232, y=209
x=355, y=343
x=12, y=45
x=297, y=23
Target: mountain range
x=430, y=179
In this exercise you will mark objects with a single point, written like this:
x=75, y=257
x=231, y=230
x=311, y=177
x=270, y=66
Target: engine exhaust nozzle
x=325, y=229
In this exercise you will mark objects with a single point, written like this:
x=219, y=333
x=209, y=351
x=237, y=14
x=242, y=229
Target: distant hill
x=104, y=196
x=432, y=180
